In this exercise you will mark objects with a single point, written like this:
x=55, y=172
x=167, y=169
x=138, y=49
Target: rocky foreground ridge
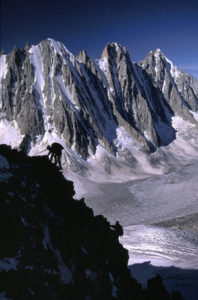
x=47, y=93
x=52, y=246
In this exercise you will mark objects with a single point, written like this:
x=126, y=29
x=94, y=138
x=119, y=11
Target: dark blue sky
x=139, y=25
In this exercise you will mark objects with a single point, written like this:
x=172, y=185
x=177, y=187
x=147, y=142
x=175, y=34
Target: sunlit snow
x=9, y=133
x=103, y=64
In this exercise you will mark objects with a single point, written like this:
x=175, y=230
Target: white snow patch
x=158, y=50
x=123, y=138
x=195, y=114
x=36, y=61
x=173, y=69
x=118, y=46
x=61, y=49
x=127, y=142
x=147, y=136
x=40, y=148
x=65, y=91
x=103, y=64
x=9, y=133
x=39, y=83
x=164, y=86
x=186, y=142
x=157, y=54
x=3, y=72
x=104, y=167
x=3, y=67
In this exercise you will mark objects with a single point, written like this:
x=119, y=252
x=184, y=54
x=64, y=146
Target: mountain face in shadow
x=52, y=246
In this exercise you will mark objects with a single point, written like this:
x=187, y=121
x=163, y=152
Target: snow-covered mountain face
x=110, y=108
x=179, y=90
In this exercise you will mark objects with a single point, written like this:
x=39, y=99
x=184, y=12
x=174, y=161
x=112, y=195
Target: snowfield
x=160, y=218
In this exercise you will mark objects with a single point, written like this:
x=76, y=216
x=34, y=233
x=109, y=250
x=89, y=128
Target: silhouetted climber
x=118, y=230
x=55, y=150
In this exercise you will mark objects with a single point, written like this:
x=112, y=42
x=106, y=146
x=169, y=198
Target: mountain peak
x=112, y=48
x=82, y=56
x=57, y=46
x=158, y=50
x=157, y=53
x=116, y=44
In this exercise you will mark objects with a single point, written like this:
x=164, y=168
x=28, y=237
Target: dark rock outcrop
x=52, y=246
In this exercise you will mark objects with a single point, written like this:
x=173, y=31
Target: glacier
x=159, y=211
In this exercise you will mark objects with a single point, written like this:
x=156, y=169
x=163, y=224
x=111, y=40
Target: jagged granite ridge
x=46, y=89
